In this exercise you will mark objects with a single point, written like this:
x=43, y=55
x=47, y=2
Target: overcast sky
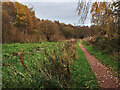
x=59, y=10
x=47, y=0
x=63, y=0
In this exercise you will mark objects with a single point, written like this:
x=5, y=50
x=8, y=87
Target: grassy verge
x=107, y=59
x=83, y=76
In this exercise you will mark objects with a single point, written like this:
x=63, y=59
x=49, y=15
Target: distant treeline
x=19, y=24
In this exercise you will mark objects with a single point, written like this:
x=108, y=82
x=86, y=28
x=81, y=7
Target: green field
x=46, y=65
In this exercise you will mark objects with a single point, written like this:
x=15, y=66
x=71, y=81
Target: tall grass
x=45, y=65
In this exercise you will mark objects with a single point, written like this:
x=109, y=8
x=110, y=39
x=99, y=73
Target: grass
x=44, y=68
x=15, y=75
x=82, y=74
x=107, y=59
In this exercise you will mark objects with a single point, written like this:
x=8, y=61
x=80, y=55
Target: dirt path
x=103, y=75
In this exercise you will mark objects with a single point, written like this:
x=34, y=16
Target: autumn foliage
x=19, y=24
x=106, y=17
